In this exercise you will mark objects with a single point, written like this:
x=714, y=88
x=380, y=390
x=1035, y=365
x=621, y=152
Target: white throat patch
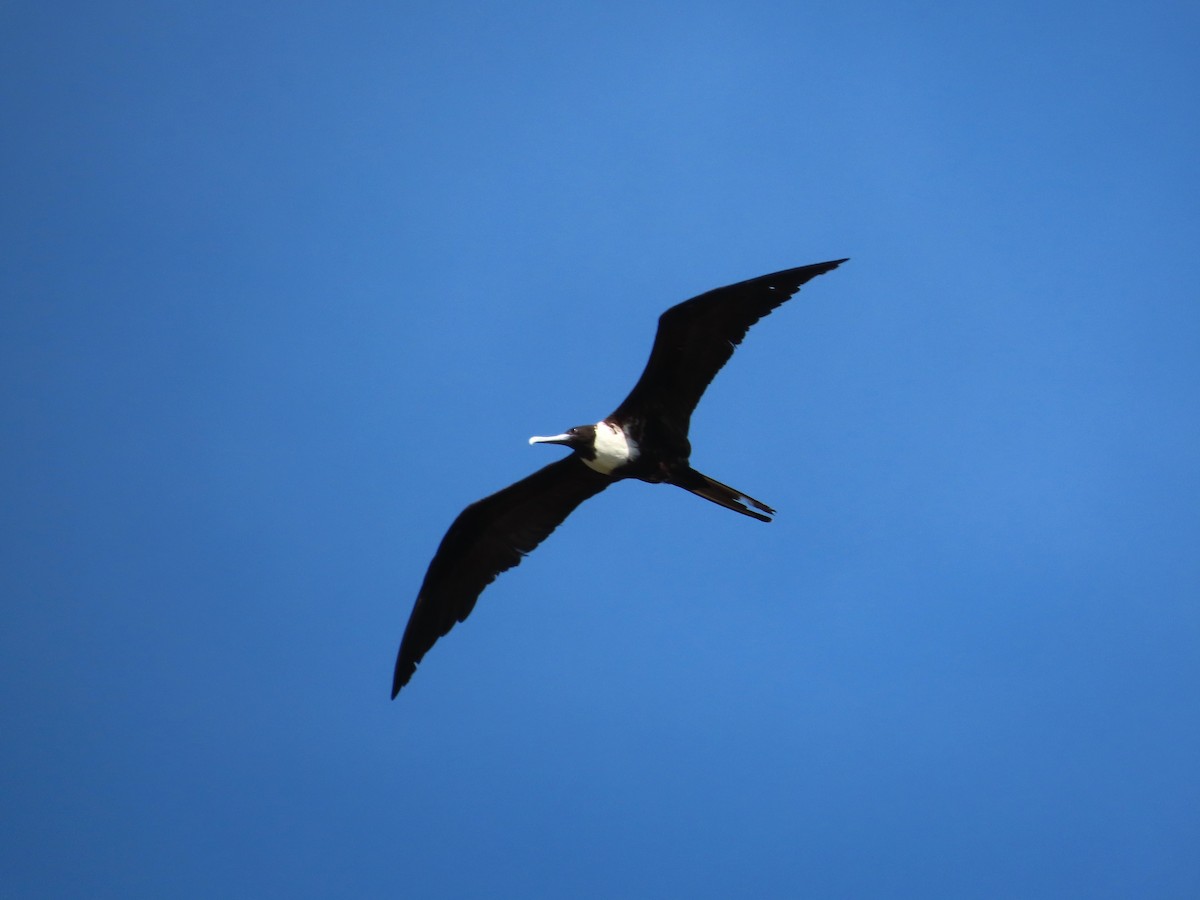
x=613, y=449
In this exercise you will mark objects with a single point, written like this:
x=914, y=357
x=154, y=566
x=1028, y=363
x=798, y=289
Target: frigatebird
x=646, y=437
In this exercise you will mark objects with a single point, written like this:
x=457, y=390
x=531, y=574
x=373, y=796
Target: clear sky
x=287, y=285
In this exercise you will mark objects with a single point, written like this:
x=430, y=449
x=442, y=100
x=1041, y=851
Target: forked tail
x=722, y=494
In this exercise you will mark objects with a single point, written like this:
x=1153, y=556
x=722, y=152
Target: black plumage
x=694, y=340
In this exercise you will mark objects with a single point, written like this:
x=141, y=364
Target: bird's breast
x=614, y=449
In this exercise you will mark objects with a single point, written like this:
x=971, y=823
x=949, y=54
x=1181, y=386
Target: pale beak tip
x=552, y=439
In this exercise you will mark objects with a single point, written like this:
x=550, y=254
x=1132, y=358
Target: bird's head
x=581, y=437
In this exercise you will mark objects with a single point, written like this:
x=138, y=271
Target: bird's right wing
x=490, y=537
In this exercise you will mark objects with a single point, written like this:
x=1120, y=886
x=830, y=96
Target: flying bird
x=646, y=437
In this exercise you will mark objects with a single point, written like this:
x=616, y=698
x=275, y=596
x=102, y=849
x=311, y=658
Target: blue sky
x=288, y=285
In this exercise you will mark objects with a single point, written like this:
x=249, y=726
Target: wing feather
x=697, y=337
x=490, y=537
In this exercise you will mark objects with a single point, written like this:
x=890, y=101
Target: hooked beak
x=555, y=439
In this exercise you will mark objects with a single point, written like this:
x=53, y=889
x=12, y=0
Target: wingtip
x=401, y=678
x=822, y=267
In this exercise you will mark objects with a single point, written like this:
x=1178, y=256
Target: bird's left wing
x=490, y=537
x=697, y=337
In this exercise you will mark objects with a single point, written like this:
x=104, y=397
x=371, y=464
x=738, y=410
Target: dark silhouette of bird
x=646, y=438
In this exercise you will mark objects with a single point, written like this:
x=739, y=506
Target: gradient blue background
x=286, y=285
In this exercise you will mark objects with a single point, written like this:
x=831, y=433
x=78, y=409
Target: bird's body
x=646, y=438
